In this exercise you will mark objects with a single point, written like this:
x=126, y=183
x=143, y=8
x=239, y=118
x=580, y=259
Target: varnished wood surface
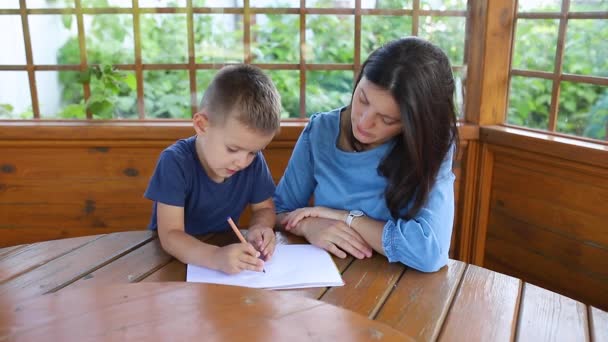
x=461, y=302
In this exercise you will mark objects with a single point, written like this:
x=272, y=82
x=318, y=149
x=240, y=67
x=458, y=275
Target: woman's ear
x=201, y=122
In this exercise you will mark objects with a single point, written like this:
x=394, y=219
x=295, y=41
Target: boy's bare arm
x=262, y=214
x=261, y=228
x=177, y=242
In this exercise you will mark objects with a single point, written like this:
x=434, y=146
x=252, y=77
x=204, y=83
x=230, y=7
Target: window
x=559, y=67
x=151, y=59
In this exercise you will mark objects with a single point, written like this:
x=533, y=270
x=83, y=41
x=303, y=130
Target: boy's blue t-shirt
x=180, y=180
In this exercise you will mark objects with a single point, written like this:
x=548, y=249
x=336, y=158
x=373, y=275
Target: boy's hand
x=237, y=257
x=263, y=239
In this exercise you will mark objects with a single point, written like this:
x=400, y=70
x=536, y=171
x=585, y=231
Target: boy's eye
x=232, y=150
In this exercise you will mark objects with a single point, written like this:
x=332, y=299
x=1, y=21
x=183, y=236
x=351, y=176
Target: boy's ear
x=201, y=122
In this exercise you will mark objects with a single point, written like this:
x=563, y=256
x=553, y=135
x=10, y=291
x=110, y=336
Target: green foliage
x=583, y=108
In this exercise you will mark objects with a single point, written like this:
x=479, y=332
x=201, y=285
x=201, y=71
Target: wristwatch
x=352, y=215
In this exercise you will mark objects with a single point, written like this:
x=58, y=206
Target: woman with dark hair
x=380, y=169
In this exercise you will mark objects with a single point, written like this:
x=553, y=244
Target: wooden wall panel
x=548, y=223
x=68, y=180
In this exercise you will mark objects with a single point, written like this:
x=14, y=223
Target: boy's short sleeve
x=263, y=185
x=168, y=183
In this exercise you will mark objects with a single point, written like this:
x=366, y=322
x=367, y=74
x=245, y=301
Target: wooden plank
x=368, y=282
x=35, y=255
x=9, y=250
x=548, y=316
x=514, y=259
x=175, y=270
x=420, y=301
x=598, y=324
x=484, y=309
x=60, y=272
x=127, y=269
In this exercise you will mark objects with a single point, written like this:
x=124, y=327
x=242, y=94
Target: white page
x=291, y=266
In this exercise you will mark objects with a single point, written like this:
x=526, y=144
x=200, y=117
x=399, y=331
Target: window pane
x=109, y=38
x=63, y=48
x=9, y=4
x=535, y=43
x=377, y=30
x=117, y=100
x=331, y=3
x=588, y=5
x=203, y=79
x=164, y=38
x=60, y=95
x=539, y=6
x=443, y=5
x=276, y=38
x=48, y=4
x=330, y=38
x=221, y=3
x=274, y=3
x=327, y=90
x=386, y=4
x=12, y=35
x=586, y=50
x=218, y=38
x=583, y=110
x=15, y=98
x=459, y=92
x=447, y=33
x=288, y=85
x=107, y=3
x=529, y=102
x=167, y=94
x=162, y=3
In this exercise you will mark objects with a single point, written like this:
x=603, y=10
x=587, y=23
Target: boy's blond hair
x=246, y=92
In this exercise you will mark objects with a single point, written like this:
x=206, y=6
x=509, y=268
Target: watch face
x=356, y=213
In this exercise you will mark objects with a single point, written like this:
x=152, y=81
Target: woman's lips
x=364, y=133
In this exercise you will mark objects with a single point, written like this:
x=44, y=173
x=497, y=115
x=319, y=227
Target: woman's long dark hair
x=419, y=76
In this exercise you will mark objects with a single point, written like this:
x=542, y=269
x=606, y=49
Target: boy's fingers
x=252, y=261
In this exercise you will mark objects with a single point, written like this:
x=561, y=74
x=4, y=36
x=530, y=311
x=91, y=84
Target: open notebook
x=291, y=266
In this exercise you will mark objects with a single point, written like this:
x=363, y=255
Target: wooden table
x=459, y=303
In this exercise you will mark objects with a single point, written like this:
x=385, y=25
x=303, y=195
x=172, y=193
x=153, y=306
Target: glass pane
x=377, y=30
x=331, y=3
x=113, y=95
x=276, y=38
x=443, y=5
x=386, y=4
x=221, y=3
x=162, y=3
x=107, y=3
x=203, y=79
x=275, y=3
x=15, y=98
x=218, y=38
x=586, y=50
x=12, y=35
x=327, y=90
x=109, y=38
x=539, y=6
x=288, y=85
x=164, y=38
x=330, y=38
x=63, y=48
x=9, y=4
x=48, y=4
x=459, y=92
x=60, y=95
x=583, y=110
x=167, y=94
x=529, y=102
x=588, y=5
x=535, y=42
x=447, y=33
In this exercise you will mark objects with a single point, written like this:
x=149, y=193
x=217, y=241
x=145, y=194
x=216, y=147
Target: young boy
x=201, y=181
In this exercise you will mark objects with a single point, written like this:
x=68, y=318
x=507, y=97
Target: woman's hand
x=334, y=236
x=293, y=218
x=263, y=239
x=237, y=257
